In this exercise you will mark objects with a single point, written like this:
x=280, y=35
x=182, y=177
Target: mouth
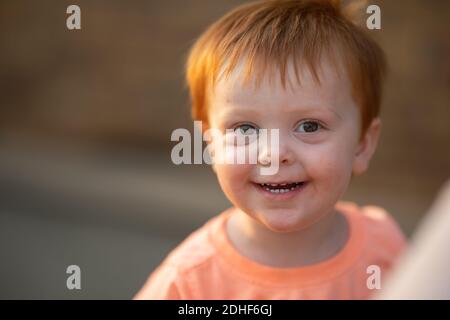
x=281, y=188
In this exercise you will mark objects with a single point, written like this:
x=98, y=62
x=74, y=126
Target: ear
x=210, y=145
x=211, y=151
x=366, y=147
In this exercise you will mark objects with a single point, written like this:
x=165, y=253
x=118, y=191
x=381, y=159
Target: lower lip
x=281, y=196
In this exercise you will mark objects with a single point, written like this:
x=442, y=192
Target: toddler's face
x=319, y=145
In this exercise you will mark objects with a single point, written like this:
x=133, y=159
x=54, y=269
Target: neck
x=316, y=243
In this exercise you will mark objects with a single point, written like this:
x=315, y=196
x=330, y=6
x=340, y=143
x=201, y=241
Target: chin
x=284, y=222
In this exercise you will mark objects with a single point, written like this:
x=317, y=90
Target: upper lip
x=281, y=183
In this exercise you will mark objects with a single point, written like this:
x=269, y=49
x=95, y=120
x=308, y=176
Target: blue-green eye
x=246, y=129
x=308, y=126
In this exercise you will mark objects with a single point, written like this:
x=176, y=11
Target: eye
x=246, y=129
x=308, y=126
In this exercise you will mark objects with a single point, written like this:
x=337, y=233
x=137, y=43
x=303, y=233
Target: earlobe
x=367, y=147
x=210, y=153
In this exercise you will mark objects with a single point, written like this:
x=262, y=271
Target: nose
x=276, y=146
x=286, y=155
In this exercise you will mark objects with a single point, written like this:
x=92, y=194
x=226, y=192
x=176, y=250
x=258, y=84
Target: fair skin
x=320, y=148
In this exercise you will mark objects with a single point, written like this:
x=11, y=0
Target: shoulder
x=383, y=228
x=382, y=234
x=169, y=279
x=196, y=249
x=163, y=284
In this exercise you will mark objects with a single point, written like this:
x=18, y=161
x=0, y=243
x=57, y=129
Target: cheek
x=233, y=177
x=330, y=165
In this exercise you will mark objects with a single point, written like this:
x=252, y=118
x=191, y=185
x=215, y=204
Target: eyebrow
x=333, y=111
x=251, y=110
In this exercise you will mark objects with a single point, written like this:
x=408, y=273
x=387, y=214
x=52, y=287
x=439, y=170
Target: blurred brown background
x=85, y=123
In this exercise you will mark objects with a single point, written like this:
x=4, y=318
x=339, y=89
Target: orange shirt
x=207, y=266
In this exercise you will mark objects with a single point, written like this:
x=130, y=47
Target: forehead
x=332, y=88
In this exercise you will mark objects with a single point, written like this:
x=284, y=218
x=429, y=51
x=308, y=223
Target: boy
x=304, y=68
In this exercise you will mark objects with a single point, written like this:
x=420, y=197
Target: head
x=306, y=69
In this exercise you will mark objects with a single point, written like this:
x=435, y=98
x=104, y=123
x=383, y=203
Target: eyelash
x=245, y=124
x=321, y=126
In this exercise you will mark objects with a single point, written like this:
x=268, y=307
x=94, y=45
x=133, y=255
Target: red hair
x=271, y=32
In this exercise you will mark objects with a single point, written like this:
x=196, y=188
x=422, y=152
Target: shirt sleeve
x=163, y=284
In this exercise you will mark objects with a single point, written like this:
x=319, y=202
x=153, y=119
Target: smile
x=279, y=188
